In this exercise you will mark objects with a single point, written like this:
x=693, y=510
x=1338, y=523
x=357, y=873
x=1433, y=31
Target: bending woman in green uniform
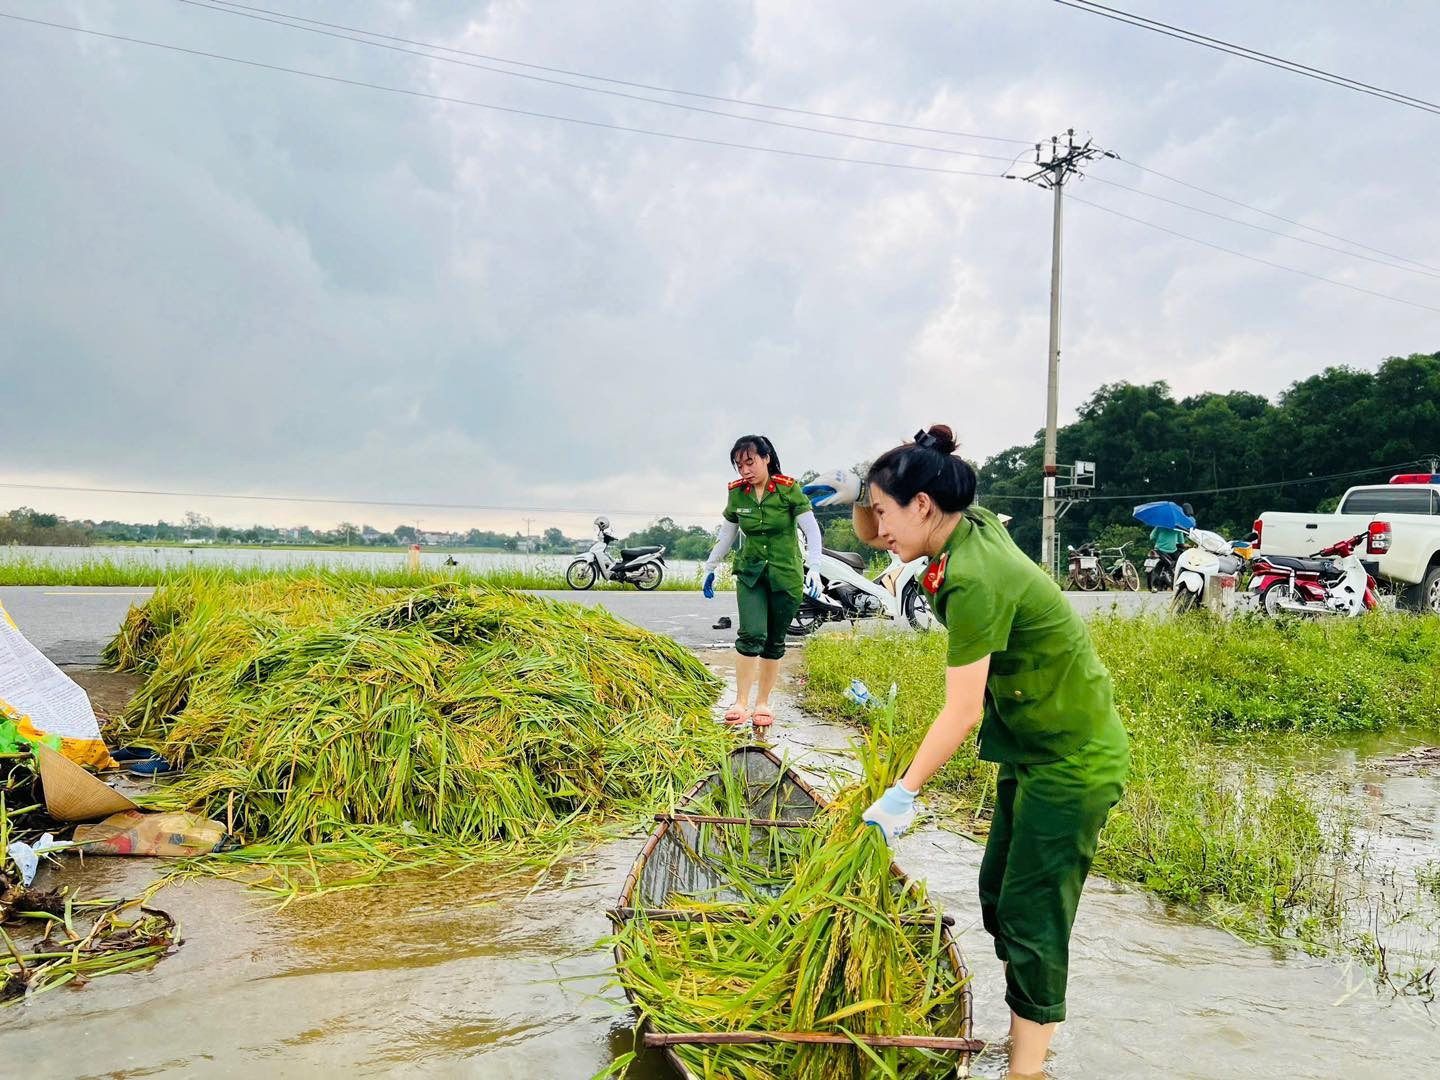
x=770, y=577
x=1021, y=666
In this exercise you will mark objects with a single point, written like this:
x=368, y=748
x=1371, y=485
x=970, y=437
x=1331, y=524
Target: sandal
x=736, y=715
x=766, y=712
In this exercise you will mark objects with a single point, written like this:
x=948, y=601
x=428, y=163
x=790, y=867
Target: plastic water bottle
x=858, y=692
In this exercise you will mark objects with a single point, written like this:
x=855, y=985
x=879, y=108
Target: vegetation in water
x=1209, y=818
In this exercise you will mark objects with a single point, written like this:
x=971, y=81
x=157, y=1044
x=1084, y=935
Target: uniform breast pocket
x=1025, y=699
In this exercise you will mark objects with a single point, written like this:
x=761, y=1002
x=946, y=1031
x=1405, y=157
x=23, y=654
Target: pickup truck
x=1403, y=522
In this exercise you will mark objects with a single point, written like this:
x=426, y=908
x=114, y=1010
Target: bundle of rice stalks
x=809, y=932
x=315, y=711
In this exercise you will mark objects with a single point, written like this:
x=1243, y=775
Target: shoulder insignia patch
x=935, y=576
x=737, y=484
x=782, y=480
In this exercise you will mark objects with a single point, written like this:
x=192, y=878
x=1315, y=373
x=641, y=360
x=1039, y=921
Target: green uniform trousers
x=1042, y=841
x=765, y=614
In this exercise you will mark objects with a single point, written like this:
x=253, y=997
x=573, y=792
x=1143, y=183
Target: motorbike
x=643, y=567
x=1211, y=556
x=1335, y=581
x=847, y=593
x=1160, y=570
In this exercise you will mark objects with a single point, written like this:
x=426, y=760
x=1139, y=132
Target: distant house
x=433, y=538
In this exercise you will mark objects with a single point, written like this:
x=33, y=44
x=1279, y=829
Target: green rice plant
x=818, y=937
x=398, y=724
x=382, y=572
x=1214, y=816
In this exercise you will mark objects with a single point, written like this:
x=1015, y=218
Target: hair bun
x=944, y=438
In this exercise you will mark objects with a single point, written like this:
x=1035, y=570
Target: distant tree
x=406, y=534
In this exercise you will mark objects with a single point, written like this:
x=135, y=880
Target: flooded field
x=456, y=977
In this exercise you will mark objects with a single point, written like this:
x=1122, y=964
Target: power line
x=1292, y=66
x=425, y=95
x=1261, y=228
x=1221, y=490
x=355, y=502
x=295, y=25
x=894, y=125
x=1276, y=217
x=1255, y=258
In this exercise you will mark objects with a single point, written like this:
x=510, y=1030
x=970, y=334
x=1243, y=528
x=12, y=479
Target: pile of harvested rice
x=314, y=711
x=823, y=938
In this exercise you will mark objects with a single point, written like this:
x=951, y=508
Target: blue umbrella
x=1164, y=515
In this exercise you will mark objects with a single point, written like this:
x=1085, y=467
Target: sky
x=223, y=279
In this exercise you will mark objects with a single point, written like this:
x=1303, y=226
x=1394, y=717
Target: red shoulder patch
x=935, y=576
x=738, y=484
x=783, y=480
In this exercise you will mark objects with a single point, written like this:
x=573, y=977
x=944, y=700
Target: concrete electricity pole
x=1063, y=163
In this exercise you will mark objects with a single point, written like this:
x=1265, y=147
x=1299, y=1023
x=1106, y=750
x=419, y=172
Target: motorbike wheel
x=1130, y=577
x=1279, y=593
x=580, y=574
x=649, y=576
x=1161, y=580
x=807, y=620
x=1183, y=601
x=917, y=608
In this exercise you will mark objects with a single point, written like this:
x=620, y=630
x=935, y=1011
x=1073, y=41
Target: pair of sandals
x=737, y=716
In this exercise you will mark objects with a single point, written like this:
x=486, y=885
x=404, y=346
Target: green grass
x=1211, y=818
x=393, y=573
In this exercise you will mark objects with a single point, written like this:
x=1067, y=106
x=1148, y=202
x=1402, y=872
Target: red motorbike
x=1334, y=581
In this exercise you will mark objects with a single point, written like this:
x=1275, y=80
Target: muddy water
x=452, y=978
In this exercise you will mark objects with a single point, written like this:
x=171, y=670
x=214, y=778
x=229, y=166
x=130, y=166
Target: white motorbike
x=894, y=593
x=1211, y=556
x=643, y=567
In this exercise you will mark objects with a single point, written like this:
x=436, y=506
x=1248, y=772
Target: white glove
x=894, y=812
x=814, y=584
x=835, y=487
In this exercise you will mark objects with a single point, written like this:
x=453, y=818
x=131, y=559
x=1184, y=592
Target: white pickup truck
x=1403, y=522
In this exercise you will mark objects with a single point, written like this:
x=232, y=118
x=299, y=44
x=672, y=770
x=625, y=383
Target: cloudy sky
x=225, y=278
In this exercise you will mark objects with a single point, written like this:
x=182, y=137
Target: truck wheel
x=1428, y=600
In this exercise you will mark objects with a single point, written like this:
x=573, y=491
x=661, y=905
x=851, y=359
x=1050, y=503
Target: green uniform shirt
x=1047, y=693
x=768, y=526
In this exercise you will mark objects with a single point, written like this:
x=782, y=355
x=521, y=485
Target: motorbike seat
x=849, y=558
x=1291, y=562
x=635, y=553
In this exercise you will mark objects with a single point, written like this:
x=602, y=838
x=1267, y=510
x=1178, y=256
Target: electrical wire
x=227, y=10
x=446, y=99
x=1262, y=228
x=635, y=85
x=1294, y=67
x=1154, y=495
x=1253, y=258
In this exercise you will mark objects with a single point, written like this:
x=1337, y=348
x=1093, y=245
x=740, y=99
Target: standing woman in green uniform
x=770, y=576
x=1021, y=665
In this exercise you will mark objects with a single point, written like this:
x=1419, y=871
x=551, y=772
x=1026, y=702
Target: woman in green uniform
x=765, y=506
x=1021, y=665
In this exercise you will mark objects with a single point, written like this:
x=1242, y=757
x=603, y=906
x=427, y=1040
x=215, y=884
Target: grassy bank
x=391, y=573
x=1210, y=818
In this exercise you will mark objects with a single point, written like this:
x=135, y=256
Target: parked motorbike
x=1333, y=582
x=643, y=567
x=893, y=593
x=1211, y=556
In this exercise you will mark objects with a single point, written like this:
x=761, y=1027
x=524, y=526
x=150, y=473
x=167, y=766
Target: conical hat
x=71, y=793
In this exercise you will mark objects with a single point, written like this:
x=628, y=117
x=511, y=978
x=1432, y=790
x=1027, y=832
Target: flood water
x=452, y=978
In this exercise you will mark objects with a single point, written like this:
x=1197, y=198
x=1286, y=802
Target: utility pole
x=528, y=545
x=1064, y=162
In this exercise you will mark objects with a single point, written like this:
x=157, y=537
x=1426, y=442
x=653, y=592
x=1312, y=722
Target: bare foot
x=764, y=716
x=736, y=715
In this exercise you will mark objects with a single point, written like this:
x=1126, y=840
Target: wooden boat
x=672, y=864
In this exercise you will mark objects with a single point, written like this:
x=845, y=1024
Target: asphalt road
x=72, y=625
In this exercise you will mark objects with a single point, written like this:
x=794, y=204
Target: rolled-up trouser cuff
x=1036, y=1014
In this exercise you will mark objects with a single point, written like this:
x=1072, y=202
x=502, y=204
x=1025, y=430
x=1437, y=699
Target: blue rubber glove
x=709, y=587
x=893, y=813
x=838, y=487
x=814, y=584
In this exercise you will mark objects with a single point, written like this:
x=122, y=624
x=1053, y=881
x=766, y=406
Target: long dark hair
x=928, y=464
x=761, y=447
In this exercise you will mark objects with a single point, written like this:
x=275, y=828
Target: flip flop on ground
x=736, y=715
x=763, y=711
